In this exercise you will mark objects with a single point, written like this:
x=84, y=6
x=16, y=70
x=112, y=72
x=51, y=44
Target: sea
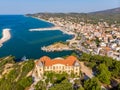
x=26, y=43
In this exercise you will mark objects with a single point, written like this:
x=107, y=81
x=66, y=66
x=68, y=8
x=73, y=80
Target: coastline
x=54, y=27
x=32, y=41
x=6, y=36
x=43, y=20
x=56, y=47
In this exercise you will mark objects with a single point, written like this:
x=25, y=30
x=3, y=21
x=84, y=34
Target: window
x=59, y=67
x=76, y=73
x=68, y=67
x=63, y=67
x=53, y=67
x=50, y=67
x=56, y=67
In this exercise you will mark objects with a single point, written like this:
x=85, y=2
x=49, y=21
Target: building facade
x=58, y=65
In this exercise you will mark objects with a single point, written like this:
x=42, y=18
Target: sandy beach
x=43, y=20
x=6, y=36
x=55, y=27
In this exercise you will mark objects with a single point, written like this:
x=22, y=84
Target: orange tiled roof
x=107, y=48
x=69, y=61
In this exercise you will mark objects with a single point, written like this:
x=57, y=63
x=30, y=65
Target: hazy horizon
x=55, y=6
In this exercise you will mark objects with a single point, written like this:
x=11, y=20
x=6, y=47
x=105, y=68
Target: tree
x=55, y=77
x=81, y=88
x=92, y=84
x=97, y=41
x=103, y=74
x=85, y=57
x=116, y=69
x=118, y=88
x=64, y=85
x=27, y=67
x=40, y=86
x=25, y=82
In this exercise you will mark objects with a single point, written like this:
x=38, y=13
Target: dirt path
x=86, y=70
x=7, y=68
x=20, y=73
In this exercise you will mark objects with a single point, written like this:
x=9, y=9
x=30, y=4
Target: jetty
x=45, y=29
x=6, y=36
x=53, y=28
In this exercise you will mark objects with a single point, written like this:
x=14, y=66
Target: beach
x=43, y=20
x=6, y=36
x=55, y=27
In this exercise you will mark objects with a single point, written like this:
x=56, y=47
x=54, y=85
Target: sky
x=65, y=6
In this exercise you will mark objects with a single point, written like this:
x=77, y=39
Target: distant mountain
x=109, y=11
x=110, y=16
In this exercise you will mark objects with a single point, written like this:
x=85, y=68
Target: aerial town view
x=60, y=45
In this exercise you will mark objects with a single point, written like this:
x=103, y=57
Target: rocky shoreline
x=56, y=47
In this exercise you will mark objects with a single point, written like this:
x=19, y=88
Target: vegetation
x=92, y=84
x=55, y=77
x=25, y=82
x=97, y=41
x=104, y=74
x=92, y=18
x=64, y=85
x=62, y=42
x=105, y=70
x=16, y=77
x=107, y=63
x=116, y=69
x=27, y=67
x=4, y=61
x=40, y=86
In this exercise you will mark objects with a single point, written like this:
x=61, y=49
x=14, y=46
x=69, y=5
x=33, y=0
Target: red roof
x=69, y=61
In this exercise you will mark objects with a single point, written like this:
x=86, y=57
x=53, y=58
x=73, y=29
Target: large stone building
x=58, y=65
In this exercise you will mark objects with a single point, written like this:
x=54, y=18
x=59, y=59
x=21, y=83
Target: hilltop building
x=58, y=65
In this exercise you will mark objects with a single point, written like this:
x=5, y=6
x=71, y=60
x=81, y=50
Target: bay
x=26, y=43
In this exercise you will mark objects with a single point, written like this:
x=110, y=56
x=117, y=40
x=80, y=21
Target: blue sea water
x=26, y=43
